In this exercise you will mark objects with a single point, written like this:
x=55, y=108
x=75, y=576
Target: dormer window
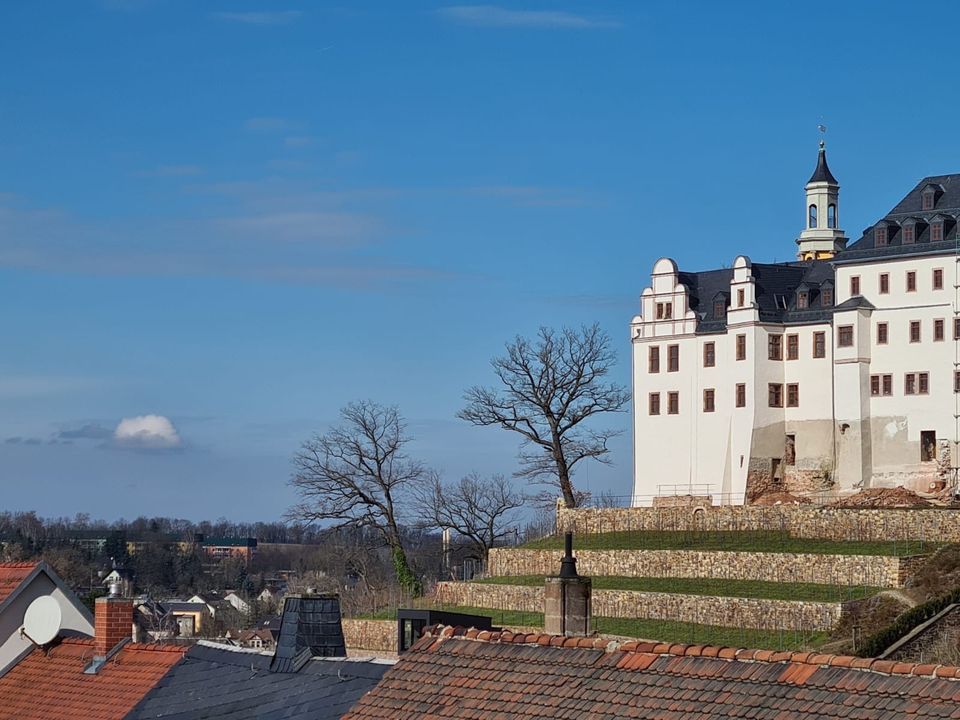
x=826, y=296
x=928, y=199
x=936, y=229
x=719, y=309
x=831, y=216
x=803, y=300
x=880, y=236
x=908, y=236
x=812, y=217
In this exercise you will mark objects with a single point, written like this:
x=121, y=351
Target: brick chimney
x=113, y=622
x=567, y=606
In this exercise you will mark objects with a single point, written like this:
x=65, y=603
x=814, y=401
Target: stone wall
x=935, y=524
x=935, y=641
x=373, y=635
x=874, y=570
x=701, y=609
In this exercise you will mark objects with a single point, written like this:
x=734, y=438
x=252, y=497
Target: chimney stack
x=568, y=598
x=113, y=621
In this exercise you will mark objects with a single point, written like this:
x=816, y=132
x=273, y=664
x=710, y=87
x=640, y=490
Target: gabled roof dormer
x=930, y=195
x=826, y=293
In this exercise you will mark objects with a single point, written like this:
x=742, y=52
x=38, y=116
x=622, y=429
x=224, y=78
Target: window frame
x=775, y=347
x=928, y=200
x=881, y=236
x=908, y=234
x=740, y=346
x=915, y=325
x=883, y=333
x=939, y=330
x=803, y=300
x=843, y=340
x=775, y=395
x=911, y=281
x=793, y=346
x=665, y=310
x=937, y=280
x=956, y=381
x=884, y=284
x=740, y=395
x=826, y=297
x=819, y=345
x=709, y=358
x=719, y=309
x=936, y=231
x=887, y=380
x=741, y=297
x=653, y=403
x=854, y=285
x=793, y=395
x=653, y=360
x=673, y=358
x=923, y=383
x=673, y=402
x=832, y=216
x=709, y=400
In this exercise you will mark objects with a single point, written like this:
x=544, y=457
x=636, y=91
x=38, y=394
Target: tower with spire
x=822, y=237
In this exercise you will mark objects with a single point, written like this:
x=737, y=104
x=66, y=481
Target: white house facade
x=834, y=372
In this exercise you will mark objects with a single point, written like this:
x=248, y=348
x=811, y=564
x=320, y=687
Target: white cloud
x=149, y=432
x=281, y=17
x=495, y=16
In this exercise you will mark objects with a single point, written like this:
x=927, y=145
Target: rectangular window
x=653, y=360
x=956, y=381
x=826, y=297
x=927, y=201
x=819, y=345
x=875, y=385
x=793, y=395
x=709, y=354
x=884, y=283
x=938, y=330
x=708, y=400
x=793, y=347
x=907, y=234
x=664, y=311
x=802, y=300
x=741, y=347
x=741, y=395
x=888, y=385
x=914, y=331
x=880, y=235
x=741, y=297
x=855, y=285
x=881, y=333
x=845, y=336
x=673, y=358
x=911, y=281
x=654, y=403
x=790, y=450
x=938, y=278
x=910, y=384
x=775, y=394
x=775, y=347
x=928, y=446
x=956, y=329
x=720, y=309
x=673, y=403
x=923, y=383
x=936, y=232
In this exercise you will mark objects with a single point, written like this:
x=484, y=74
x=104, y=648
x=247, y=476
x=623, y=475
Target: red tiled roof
x=53, y=686
x=11, y=575
x=452, y=674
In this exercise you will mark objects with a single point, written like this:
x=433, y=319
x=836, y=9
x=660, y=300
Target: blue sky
x=239, y=216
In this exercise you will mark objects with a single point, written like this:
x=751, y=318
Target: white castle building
x=834, y=372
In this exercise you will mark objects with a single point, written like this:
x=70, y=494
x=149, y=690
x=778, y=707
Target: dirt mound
x=781, y=498
x=883, y=498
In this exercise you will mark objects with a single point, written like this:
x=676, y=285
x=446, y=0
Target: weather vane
x=823, y=131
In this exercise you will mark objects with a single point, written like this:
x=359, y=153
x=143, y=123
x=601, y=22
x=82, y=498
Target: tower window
x=664, y=310
x=812, y=217
x=831, y=215
x=880, y=236
x=741, y=297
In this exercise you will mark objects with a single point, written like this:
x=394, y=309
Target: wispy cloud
x=266, y=17
x=496, y=16
x=88, y=431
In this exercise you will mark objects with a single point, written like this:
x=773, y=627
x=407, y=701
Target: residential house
x=192, y=619
x=831, y=372
x=236, y=602
x=256, y=639
x=20, y=585
x=459, y=674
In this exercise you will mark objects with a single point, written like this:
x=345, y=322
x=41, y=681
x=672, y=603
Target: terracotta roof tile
x=11, y=575
x=53, y=686
x=554, y=678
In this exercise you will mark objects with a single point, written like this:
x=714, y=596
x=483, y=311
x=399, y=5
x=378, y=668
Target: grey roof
x=947, y=205
x=857, y=301
x=214, y=684
x=309, y=627
x=822, y=172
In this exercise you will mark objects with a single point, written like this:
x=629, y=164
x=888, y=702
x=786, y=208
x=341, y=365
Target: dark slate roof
x=947, y=204
x=822, y=172
x=776, y=288
x=542, y=677
x=309, y=627
x=221, y=684
x=857, y=301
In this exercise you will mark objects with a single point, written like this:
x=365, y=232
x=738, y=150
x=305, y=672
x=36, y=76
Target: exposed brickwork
x=113, y=621
x=874, y=570
x=830, y=523
x=701, y=609
x=375, y=635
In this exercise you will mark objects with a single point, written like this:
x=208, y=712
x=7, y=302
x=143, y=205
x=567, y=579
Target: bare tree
x=481, y=510
x=550, y=387
x=356, y=474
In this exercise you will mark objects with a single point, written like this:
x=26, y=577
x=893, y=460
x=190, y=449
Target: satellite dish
x=41, y=622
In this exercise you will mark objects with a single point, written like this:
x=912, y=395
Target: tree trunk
x=563, y=473
x=405, y=576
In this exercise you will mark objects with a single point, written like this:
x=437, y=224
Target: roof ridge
x=18, y=565
x=440, y=633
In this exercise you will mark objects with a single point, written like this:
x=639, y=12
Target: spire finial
x=823, y=132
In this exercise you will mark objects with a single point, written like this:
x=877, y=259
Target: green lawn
x=662, y=630
x=711, y=586
x=741, y=540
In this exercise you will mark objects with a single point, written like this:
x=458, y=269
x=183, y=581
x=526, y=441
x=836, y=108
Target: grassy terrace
x=740, y=540
x=662, y=630
x=711, y=586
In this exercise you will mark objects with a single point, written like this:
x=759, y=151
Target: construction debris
x=781, y=498
x=883, y=498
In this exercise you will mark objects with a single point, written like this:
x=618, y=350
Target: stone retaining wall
x=373, y=635
x=701, y=609
x=874, y=570
x=937, y=525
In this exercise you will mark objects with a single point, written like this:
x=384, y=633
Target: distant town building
x=835, y=371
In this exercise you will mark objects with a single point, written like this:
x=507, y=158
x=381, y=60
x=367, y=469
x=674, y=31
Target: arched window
x=812, y=222
x=831, y=215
